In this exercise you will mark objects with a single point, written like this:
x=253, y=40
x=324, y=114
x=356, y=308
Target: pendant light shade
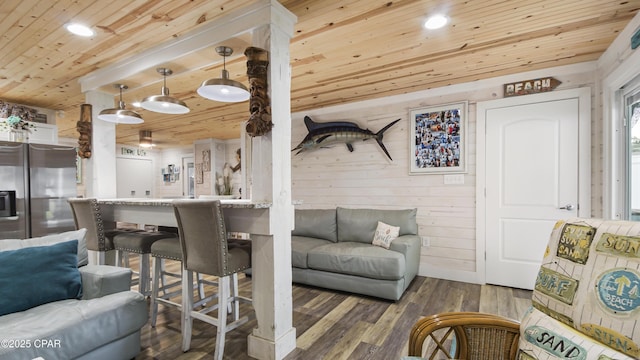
x=145, y=139
x=120, y=115
x=224, y=89
x=164, y=103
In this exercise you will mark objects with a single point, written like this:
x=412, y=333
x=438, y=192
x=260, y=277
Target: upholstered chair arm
x=102, y=280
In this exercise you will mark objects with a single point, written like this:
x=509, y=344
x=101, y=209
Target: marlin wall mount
x=322, y=135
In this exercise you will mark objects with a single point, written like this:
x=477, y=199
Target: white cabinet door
x=134, y=178
x=40, y=134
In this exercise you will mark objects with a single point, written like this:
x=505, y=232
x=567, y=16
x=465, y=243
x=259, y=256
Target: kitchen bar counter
x=240, y=215
x=226, y=203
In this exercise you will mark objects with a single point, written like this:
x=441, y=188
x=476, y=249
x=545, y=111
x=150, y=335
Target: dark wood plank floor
x=335, y=325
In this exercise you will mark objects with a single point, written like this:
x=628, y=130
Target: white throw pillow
x=385, y=234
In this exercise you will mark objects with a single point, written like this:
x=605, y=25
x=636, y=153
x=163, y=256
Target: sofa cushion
x=300, y=247
x=38, y=275
x=80, y=235
x=316, y=223
x=385, y=234
x=354, y=258
x=360, y=224
x=72, y=328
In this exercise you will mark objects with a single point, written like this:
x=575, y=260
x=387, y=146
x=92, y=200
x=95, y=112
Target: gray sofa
x=332, y=248
x=104, y=323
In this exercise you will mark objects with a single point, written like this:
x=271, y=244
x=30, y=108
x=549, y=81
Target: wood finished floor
x=335, y=325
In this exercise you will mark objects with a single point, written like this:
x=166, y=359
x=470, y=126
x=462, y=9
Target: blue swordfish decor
x=322, y=135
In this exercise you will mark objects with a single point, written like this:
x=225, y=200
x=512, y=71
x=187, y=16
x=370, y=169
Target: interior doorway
x=533, y=169
x=188, y=178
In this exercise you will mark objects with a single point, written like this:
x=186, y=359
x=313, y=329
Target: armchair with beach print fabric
x=585, y=304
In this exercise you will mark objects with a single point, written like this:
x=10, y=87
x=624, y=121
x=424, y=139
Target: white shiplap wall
x=365, y=178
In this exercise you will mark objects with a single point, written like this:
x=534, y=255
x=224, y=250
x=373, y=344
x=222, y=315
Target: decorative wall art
x=259, y=122
x=206, y=160
x=438, y=139
x=199, y=176
x=84, y=127
x=330, y=133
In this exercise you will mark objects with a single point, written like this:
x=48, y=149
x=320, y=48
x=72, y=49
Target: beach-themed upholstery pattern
x=589, y=281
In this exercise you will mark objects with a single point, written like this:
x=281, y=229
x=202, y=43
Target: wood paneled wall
x=365, y=178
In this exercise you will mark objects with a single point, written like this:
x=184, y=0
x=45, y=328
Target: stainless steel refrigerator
x=35, y=182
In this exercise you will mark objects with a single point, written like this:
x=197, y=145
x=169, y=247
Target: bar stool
x=104, y=236
x=100, y=234
x=206, y=249
x=170, y=249
x=139, y=243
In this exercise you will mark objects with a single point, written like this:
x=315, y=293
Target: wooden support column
x=275, y=336
x=100, y=168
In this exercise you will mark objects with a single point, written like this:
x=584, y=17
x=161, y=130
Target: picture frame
x=206, y=160
x=438, y=139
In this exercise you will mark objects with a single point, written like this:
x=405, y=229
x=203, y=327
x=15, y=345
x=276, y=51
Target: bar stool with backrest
x=207, y=250
x=86, y=214
x=103, y=236
x=169, y=249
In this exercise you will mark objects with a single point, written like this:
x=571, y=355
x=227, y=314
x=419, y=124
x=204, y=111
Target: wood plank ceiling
x=342, y=51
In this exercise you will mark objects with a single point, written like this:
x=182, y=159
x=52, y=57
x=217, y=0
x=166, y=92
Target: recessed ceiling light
x=79, y=29
x=436, y=22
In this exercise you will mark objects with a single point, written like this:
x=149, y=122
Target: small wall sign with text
x=133, y=151
x=530, y=86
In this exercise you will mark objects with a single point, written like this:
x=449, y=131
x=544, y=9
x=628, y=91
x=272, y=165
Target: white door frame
x=584, y=158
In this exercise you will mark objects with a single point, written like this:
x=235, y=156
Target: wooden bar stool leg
x=102, y=258
x=200, y=286
x=187, y=306
x=234, y=294
x=144, y=280
x=162, y=279
x=223, y=302
x=118, y=258
x=156, y=264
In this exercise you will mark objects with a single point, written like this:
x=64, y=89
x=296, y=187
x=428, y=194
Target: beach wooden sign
x=530, y=86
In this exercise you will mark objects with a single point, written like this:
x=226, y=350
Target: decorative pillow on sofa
x=359, y=225
x=385, y=234
x=80, y=235
x=38, y=275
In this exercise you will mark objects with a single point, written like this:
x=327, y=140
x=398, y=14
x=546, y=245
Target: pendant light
x=145, y=139
x=224, y=89
x=120, y=115
x=164, y=103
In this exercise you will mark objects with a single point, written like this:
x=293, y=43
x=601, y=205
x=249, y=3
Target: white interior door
x=134, y=178
x=532, y=179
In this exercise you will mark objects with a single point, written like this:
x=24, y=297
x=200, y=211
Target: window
x=632, y=117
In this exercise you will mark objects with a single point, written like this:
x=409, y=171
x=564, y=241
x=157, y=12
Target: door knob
x=567, y=207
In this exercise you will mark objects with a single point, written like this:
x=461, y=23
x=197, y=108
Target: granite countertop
x=226, y=203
